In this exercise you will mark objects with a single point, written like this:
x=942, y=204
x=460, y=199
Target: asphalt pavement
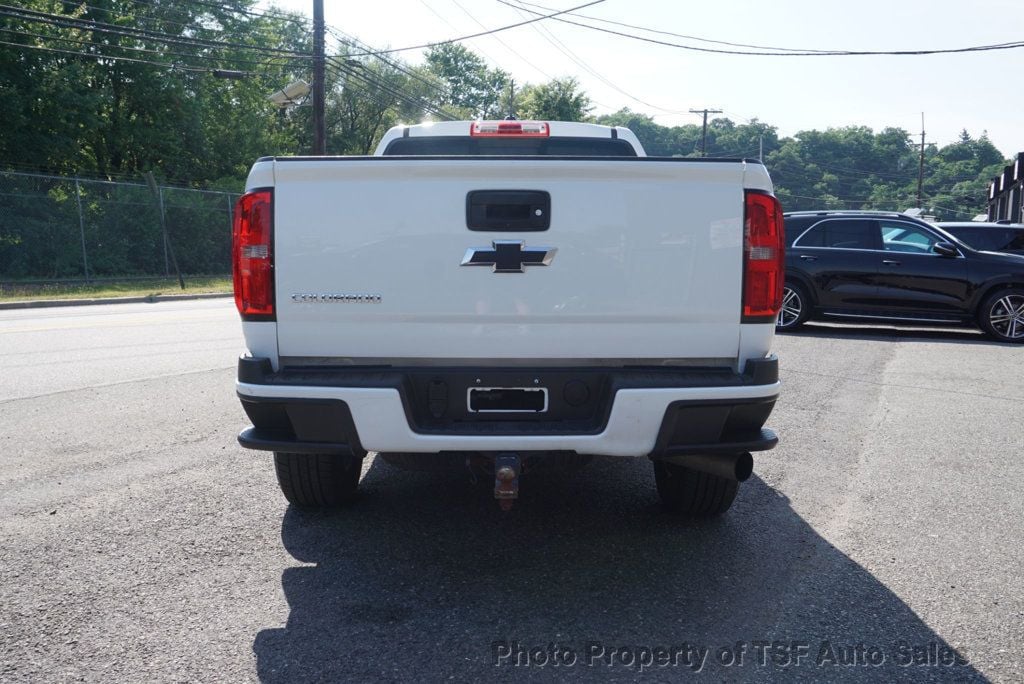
x=880, y=541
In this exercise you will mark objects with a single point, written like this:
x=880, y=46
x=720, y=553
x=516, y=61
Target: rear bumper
x=629, y=412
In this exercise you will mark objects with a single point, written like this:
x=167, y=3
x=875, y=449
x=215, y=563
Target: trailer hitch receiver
x=506, y=479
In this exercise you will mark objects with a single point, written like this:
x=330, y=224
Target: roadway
x=139, y=542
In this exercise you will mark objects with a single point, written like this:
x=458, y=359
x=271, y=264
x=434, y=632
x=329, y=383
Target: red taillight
x=523, y=129
x=253, y=255
x=763, y=257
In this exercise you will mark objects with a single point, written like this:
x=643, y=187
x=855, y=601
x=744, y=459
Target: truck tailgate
x=368, y=255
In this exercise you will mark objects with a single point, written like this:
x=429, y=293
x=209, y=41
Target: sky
x=977, y=91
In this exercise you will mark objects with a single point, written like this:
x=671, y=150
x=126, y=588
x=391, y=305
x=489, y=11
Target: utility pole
x=512, y=98
x=704, y=137
x=920, y=166
x=319, y=133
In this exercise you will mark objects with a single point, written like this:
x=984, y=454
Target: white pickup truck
x=505, y=294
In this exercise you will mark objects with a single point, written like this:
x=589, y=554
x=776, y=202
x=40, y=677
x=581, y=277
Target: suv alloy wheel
x=794, y=308
x=1002, y=315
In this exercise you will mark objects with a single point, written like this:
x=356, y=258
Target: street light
x=290, y=94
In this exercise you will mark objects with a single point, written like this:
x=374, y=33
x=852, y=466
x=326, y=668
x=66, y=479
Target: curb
x=148, y=299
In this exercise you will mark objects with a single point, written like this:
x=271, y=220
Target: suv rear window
x=794, y=226
x=465, y=146
x=989, y=239
x=841, y=234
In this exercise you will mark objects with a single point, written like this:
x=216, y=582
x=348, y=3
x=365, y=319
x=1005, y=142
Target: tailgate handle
x=510, y=210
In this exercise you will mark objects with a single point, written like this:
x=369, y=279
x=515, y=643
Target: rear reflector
x=525, y=129
x=252, y=255
x=763, y=257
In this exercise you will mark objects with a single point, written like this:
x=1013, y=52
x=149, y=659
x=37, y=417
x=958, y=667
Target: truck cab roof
x=510, y=137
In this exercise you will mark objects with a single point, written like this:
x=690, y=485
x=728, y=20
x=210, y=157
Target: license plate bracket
x=507, y=399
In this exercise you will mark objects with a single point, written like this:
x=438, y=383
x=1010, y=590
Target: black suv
x=876, y=266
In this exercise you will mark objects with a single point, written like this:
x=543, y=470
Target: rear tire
x=1002, y=315
x=796, y=308
x=318, y=480
x=691, y=492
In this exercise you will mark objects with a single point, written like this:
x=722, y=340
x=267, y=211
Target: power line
x=266, y=14
x=209, y=58
x=902, y=199
x=367, y=94
x=482, y=33
x=454, y=28
x=487, y=55
x=143, y=16
x=137, y=17
x=64, y=21
x=359, y=88
x=165, y=65
x=502, y=42
x=852, y=171
x=829, y=53
x=549, y=36
x=748, y=119
x=669, y=33
x=807, y=173
x=383, y=98
x=738, y=154
x=391, y=89
x=436, y=84
x=885, y=200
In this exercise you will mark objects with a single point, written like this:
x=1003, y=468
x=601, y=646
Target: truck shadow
x=424, y=574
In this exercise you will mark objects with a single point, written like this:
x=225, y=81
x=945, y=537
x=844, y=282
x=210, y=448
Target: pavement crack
x=115, y=384
x=922, y=388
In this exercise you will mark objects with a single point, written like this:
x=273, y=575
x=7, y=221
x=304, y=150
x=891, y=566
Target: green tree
x=363, y=104
x=560, y=99
x=957, y=176
x=728, y=139
x=116, y=103
x=655, y=139
x=470, y=85
x=163, y=111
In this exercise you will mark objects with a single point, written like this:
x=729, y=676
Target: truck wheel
x=1002, y=315
x=317, y=480
x=691, y=492
x=796, y=307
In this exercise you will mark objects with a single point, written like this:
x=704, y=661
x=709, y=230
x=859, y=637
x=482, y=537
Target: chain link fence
x=58, y=228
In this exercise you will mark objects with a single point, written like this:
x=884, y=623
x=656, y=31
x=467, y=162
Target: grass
x=134, y=287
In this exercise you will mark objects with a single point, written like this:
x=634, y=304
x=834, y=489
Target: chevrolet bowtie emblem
x=508, y=256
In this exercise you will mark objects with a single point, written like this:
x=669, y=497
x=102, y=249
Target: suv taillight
x=763, y=257
x=252, y=252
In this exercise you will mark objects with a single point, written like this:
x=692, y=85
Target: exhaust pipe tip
x=733, y=466
x=744, y=467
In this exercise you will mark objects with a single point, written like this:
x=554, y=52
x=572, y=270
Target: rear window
x=841, y=234
x=989, y=239
x=465, y=146
x=793, y=226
